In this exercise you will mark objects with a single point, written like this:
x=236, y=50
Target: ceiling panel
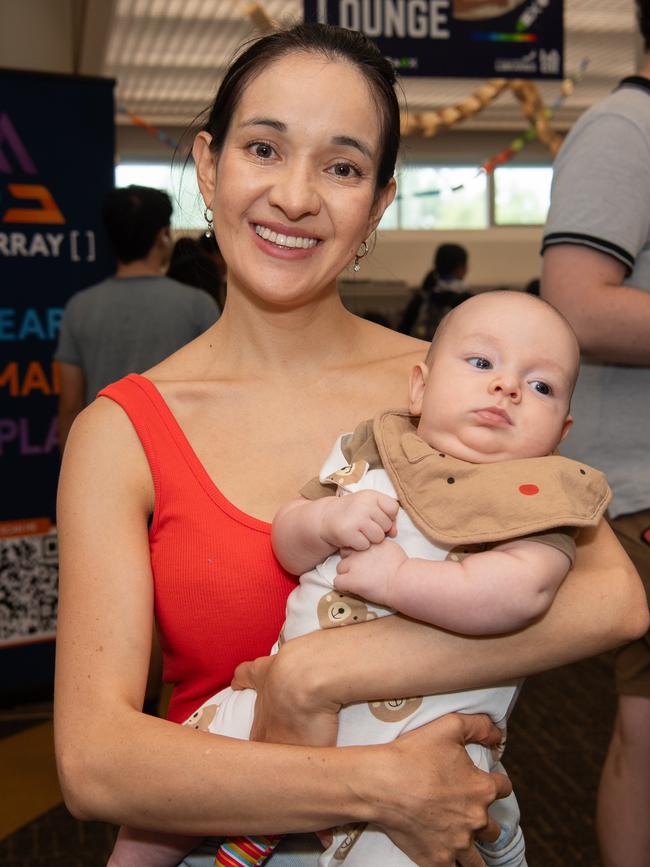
x=169, y=55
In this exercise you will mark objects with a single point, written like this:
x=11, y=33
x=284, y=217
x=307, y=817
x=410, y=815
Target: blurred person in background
x=197, y=264
x=442, y=289
x=134, y=319
x=597, y=272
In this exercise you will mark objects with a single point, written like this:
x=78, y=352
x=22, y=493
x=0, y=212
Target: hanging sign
x=457, y=38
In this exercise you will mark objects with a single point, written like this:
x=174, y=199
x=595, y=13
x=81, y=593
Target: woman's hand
x=424, y=791
x=431, y=798
x=277, y=721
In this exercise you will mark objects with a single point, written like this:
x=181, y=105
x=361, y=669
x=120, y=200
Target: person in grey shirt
x=597, y=272
x=131, y=321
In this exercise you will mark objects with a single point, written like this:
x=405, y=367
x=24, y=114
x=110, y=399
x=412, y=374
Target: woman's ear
x=417, y=385
x=206, y=166
x=383, y=199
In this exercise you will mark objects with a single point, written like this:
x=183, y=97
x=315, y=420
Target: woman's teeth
x=285, y=240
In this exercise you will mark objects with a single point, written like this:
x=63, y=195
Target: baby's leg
x=149, y=849
x=295, y=850
x=253, y=851
x=227, y=713
x=510, y=849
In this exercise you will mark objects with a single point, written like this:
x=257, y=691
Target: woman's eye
x=541, y=387
x=261, y=149
x=480, y=362
x=345, y=170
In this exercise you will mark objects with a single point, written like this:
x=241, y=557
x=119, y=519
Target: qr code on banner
x=28, y=587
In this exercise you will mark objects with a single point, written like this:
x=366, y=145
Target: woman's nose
x=294, y=192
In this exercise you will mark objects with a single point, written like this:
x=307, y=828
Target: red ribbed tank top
x=220, y=593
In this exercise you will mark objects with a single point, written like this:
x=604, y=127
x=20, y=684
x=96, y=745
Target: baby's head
x=497, y=381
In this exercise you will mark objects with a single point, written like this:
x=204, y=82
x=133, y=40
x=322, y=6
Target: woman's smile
x=284, y=242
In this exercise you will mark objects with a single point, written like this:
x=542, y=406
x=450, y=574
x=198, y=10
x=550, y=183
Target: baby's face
x=499, y=381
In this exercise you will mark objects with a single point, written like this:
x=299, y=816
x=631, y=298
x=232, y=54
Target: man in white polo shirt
x=597, y=272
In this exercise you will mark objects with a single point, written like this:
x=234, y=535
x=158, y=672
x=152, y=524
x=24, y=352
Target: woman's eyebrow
x=349, y=141
x=280, y=126
x=265, y=121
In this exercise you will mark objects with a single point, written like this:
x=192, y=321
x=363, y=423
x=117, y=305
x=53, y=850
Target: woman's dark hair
x=133, y=216
x=643, y=17
x=448, y=258
x=333, y=43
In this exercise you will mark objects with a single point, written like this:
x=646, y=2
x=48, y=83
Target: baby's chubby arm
x=305, y=532
x=487, y=593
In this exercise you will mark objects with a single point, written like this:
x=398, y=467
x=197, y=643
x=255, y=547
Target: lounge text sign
x=457, y=38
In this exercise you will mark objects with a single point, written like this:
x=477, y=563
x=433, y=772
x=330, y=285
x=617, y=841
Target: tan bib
x=459, y=503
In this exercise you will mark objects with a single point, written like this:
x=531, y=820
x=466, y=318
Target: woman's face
x=293, y=188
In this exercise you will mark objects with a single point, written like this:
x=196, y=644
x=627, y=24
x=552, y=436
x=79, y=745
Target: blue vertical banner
x=457, y=38
x=57, y=143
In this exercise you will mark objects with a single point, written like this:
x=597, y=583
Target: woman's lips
x=290, y=246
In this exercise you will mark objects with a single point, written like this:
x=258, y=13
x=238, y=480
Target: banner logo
x=48, y=212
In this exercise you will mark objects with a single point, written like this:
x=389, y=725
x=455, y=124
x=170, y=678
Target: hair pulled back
x=333, y=43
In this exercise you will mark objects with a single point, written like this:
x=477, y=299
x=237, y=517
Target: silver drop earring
x=209, y=220
x=362, y=252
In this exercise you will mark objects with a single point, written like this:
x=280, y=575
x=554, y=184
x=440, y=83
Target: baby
x=456, y=513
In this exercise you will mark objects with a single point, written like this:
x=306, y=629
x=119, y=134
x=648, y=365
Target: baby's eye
x=541, y=387
x=480, y=362
x=261, y=149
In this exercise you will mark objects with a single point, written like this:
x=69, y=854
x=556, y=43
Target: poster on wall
x=457, y=38
x=57, y=143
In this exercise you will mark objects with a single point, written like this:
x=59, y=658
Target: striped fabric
x=245, y=851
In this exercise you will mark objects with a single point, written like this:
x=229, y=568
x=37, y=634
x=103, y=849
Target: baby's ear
x=417, y=384
x=566, y=427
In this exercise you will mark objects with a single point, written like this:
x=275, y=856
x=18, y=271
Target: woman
x=296, y=161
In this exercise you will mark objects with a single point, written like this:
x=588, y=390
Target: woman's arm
x=600, y=605
x=119, y=765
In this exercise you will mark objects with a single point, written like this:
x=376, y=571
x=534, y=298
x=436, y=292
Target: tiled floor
x=558, y=737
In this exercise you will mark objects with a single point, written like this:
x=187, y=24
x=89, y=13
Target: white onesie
x=315, y=604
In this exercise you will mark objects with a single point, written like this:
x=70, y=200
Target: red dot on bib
x=528, y=490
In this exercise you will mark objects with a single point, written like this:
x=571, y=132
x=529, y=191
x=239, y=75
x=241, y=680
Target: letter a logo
x=48, y=212
x=9, y=135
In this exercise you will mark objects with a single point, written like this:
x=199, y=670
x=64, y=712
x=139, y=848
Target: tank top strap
x=164, y=446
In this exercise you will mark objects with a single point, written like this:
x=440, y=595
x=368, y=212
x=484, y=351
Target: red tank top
x=220, y=593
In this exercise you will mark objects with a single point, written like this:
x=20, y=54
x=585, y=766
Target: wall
x=498, y=257
x=37, y=34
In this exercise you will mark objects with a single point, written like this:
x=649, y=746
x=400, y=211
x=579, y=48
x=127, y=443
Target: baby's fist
x=359, y=520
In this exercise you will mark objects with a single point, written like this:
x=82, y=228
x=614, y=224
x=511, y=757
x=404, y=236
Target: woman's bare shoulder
x=99, y=417
x=103, y=445
x=385, y=345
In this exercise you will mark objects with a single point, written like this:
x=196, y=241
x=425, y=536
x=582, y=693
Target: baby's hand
x=370, y=573
x=359, y=520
